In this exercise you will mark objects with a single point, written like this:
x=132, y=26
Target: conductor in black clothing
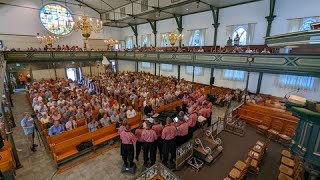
x=148, y=111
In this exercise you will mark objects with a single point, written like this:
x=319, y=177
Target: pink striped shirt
x=121, y=129
x=169, y=132
x=158, y=129
x=183, y=129
x=127, y=137
x=138, y=133
x=148, y=135
x=192, y=121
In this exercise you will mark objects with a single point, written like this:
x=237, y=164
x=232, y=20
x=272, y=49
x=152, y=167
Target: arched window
x=306, y=24
x=196, y=38
x=242, y=35
x=56, y=19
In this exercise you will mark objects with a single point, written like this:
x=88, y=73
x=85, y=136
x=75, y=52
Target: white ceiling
x=167, y=9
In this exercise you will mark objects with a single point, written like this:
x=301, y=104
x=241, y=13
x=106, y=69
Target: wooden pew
x=67, y=148
x=172, y=105
x=135, y=121
x=276, y=120
x=67, y=135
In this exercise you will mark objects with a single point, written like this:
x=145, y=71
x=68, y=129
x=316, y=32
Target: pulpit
x=306, y=140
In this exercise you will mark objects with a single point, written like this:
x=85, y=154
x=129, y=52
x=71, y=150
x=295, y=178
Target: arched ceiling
x=134, y=13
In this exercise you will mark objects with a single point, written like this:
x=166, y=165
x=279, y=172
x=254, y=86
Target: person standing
x=149, y=137
x=157, y=127
x=127, y=141
x=182, y=134
x=169, y=132
x=27, y=124
x=139, y=143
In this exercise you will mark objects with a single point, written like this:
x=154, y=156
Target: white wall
x=126, y=66
x=289, y=9
x=23, y=21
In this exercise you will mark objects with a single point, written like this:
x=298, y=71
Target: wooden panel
x=257, y=114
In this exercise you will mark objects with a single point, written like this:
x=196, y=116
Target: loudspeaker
x=211, y=80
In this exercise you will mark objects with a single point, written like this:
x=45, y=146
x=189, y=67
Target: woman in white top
x=71, y=124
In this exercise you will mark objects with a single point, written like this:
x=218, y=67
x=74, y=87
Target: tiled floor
x=39, y=165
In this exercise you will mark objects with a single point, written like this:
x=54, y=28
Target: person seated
x=92, y=125
x=56, y=128
x=71, y=124
x=45, y=118
x=105, y=120
x=131, y=112
x=249, y=50
x=148, y=110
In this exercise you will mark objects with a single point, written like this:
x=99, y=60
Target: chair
x=264, y=126
x=239, y=170
x=283, y=176
x=235, y=174
x=286, y=153
x=286, y=170
x=253, y=165
x=274, y=131
x=285, y=137
x=288, y=162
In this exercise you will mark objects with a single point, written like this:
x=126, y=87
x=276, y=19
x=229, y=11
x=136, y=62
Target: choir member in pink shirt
x=149, y=137
x=157, y=127
x=139, y=142
x=121, y=129
x=127, y=141
x=182, y=134
x=169, y=133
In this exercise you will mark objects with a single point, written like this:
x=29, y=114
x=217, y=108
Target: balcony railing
x=271, y=63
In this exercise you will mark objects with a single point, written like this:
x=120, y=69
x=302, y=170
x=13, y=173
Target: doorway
x=72, y=74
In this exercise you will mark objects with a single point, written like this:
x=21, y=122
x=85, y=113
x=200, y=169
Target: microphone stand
x=286, y=96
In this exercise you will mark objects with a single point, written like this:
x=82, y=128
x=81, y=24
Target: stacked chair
x=290, y=167
x=251, y=164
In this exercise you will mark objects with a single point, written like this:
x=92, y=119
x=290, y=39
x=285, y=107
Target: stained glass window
x=56, y=19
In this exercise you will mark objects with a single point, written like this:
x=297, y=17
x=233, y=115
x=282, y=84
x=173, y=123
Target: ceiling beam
x=107, y=4
x=87, y=5
x=237, y=4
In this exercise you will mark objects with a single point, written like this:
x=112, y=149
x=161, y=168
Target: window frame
x=164, y=68
x=145, y=66
x=45, y=24
x=131, y=39
x=245, y=31
x=233, y=76
x=144, y=5
x=122, y=14
x=198, y=71
x=296, y=82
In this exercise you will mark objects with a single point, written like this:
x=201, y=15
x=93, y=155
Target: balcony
x=269, y=63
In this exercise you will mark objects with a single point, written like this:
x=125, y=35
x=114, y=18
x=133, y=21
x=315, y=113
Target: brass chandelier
x=49, y=40
x=174, y=37
x=87, y=26
x=110, y=43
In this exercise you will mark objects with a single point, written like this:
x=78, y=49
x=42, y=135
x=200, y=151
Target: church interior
x=160, y=89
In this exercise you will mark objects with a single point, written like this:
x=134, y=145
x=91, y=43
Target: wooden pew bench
x=66, y=149
x=67, y=135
